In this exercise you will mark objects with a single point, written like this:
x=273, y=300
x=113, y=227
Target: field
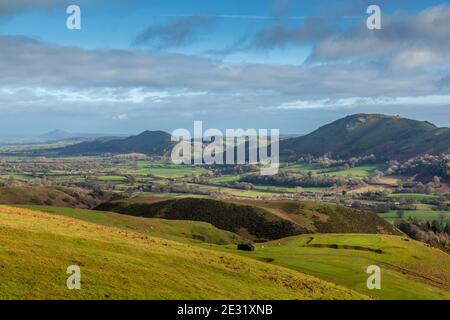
x=423, y=212
x=162, y=169
x=356, y=172
x=414, y=196
x=410, y=270
x=36, y=249
x=119, y=251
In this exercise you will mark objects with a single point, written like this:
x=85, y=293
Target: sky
x=292, y=65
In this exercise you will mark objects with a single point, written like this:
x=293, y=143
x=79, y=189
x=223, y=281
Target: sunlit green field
x=37, y=248
x=164, y=170
x=287, y=189
x=226, y=179
x=410, y=270
x=425, y=214
x=356, y=172
x=112, y=178
x=414, y=196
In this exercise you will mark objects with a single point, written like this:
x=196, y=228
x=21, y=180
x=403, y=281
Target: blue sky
x=287, y=64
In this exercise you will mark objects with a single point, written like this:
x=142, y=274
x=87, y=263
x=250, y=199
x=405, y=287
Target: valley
x=141, y=227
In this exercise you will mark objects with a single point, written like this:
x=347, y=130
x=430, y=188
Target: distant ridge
x=57, y=135
x=148, y=142
x=387, y=137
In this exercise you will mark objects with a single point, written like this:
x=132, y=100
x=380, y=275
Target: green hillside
x=245, y=220
x=148, y=142
x=36, y=249
x=258, y=220
x=318, y=217
x=52, y=196
x=409, y=269
x=387, y=137
x=180, y=230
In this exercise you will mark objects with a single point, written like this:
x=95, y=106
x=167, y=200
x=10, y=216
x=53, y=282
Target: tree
x=441, y=218
x=400, y=214
x=447, y=228
x=436, y=226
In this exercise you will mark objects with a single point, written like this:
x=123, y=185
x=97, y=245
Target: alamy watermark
x=74, y=280
x=73, y=22
x=237, y=146
x=374, y=280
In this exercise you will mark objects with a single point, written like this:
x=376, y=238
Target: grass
x=410, y=270
x=226, y=179
x=278, y=189
x=426, y=215
x=191, y=231
x=36, y=249
x=356, y=172
x=112, y=178
x=161, y=169
x=414, y=196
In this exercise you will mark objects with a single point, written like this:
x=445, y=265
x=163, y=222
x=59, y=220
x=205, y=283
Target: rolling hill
x=148, y=142
x=121, y=259
x=387, y=137
x=179, y=230
x=36, y=249
x=53, y=196
x=409, y=269
x=257, y=220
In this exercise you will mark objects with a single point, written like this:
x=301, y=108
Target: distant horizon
x=139, y=131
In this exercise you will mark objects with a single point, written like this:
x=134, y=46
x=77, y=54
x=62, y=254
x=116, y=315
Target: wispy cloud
x=174, y=33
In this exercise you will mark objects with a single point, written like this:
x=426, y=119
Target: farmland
x=121, y=264
x=410, y=270
x=306, y=224
x=423, y=212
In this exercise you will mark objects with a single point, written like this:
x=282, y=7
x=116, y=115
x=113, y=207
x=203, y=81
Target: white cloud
x=122, y=116
x=353, y=102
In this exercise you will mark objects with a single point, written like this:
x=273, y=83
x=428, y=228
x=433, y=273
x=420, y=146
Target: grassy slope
x=13, y=194
x=324, y=218
x=246, y=220
x=61, y=196
x=256, y=218
x=168, y=229
x=36, y=248
x=345, y=267
x=410, y=269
